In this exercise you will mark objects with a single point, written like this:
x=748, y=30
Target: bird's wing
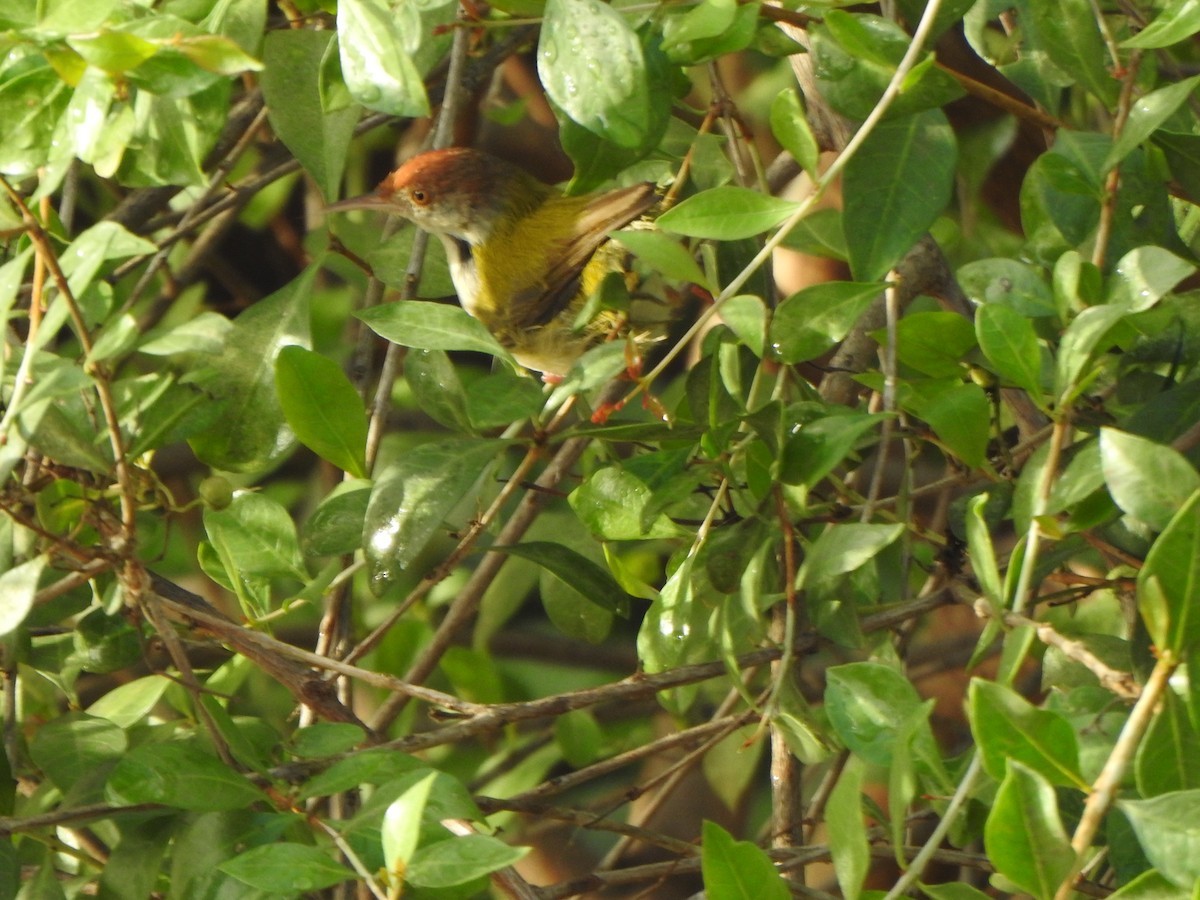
x=607, y=212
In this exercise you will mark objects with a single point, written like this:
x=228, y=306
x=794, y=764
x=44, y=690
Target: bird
x=523, y=257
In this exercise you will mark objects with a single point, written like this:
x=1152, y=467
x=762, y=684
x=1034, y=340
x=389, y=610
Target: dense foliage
x=883, y=573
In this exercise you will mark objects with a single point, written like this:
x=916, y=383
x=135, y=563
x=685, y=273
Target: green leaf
x=323, y=408
x=75, y=745
x=255, y=535
x=376, y=57
x=412, y=498
x=842, y=548
x=1008, y=727
x=1011, y=345
x=616, y=505
x=336, y=526
x=1068, y=32
x=589, y=579
x=737, y=870
x=18, y=586
x=816, y=318
x=1148, y=480
x=217, y=53
x=895, y=187
x=869, y=705
x=1169, y=583
x=369, y=767
x=402, y=826
x=431, y=326
x=1147, y=115
x=502, y=397
x=1079, y=344
x=252, y=434
x=848, y=831
x=326, y=739
x=114, y=52
x=1179, y=20
x=1145, y=274
x=592, y=66
x=1024, y=835
x=983, y=553
x=1166, y=757
x=662, y=254
x=318, y=138
x=127, y=704
x=821, y=445
x=179, y=775
x=437, y=389
x=959, y=414
x=789, y=124
x=461, y=859
x=726, y=213
x=746, y=316
x=1168, y=828
x=286, y=867
x=934, y=343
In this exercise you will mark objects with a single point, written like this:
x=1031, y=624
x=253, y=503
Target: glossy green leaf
x=402, y=825
x=1169, y=582
x=437, y=389
x=336, y=526
x=323, y=739
x=591, y=63
x=1147, y=114
x=369, y=767
x=746, y=316
x=790, y=126
x=73, y=746
x=1080, y=343
x=1145, y=274
x=458, y=860
x=1165, y=760
x=589, y=579
x=1011, y=345
x=413, y=497
x=820, y=445
x=318, y=138
x=17, y=588
x=813, y=320
x=895, y=186
x=285, y=867
x=1068, y=32
x=842, y=548
x=1168, y=828
x=502, y=397
x=253, y=434
x=737, y=870
x=180, y=775
x=1148, y=480
x=127, y=703
x=322, y=408
x=431, y=326
x=663, y=255
x=959, y=415
x=983, y=553
x=255, y=535
x=848, y=831
x=1178, y=21
x=616, y=505
x=1024, y=835
x=726, y=213
x=869, y=705
x=1008, y=727
x=375, y=43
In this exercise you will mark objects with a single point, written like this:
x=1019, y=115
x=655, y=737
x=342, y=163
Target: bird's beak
x=365, y=201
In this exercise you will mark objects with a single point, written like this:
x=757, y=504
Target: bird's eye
x=419, y=197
